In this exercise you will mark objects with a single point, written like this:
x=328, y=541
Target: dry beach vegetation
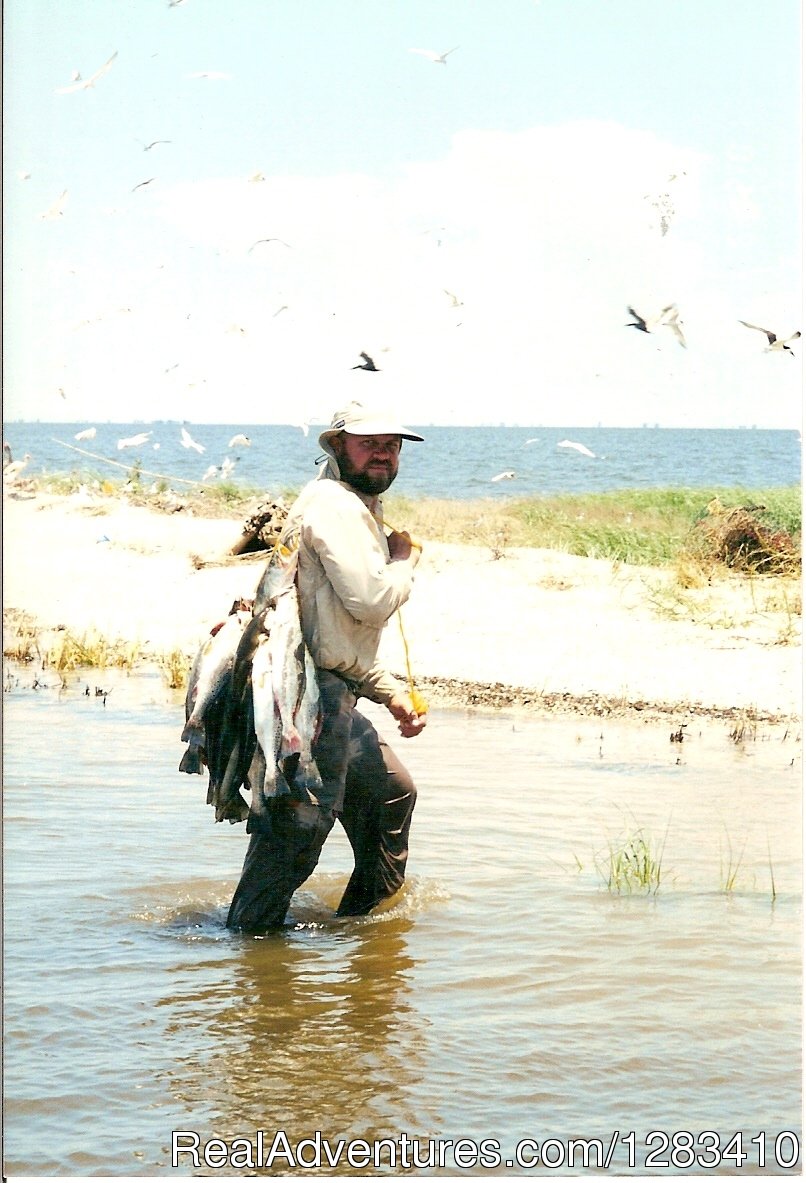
x=650, y=603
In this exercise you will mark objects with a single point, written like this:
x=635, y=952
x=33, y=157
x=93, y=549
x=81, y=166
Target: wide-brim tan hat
x=356, y=419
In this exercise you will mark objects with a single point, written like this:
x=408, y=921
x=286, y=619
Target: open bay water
x=457, y=463
x=505, y=995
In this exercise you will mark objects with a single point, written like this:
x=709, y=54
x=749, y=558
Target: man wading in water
x=351, y=578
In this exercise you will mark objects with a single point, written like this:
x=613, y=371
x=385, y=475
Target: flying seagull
x=583, y=451
x=455, y=301
x=153, y=144
x=775, y=342
x=254, y=244
x=239, y=441
x=367, y=364
x=433, y=56
x=509, y=475
x=134, y=441
x=142, y=184
x=667, y=316
x=87, y=434
x=85, y=83
x=57, y=209
x=189, y=442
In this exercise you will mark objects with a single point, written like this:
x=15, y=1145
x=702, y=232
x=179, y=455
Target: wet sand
x=534, y=628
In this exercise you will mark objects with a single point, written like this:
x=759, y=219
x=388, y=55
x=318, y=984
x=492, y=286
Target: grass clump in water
x=633, y=866
x=175, y=669
x=70, y=652
x=21, y=638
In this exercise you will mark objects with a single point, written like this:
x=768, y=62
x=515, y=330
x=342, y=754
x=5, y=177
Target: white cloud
x=544, y=236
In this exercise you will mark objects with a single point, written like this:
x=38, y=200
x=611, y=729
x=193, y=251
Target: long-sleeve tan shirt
x=348, y=586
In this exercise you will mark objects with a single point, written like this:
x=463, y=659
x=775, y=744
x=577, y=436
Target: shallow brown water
x=506, y=995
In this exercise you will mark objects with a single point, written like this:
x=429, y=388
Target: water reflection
x=313, y=1028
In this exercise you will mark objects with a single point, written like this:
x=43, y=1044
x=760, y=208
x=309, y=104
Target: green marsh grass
x=175, y=669
x=645, y=527
x=729, y=865
x=70, y=651
x=634, y=865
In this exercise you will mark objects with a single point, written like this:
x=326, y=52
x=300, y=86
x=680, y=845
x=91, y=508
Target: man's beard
x=370, y=483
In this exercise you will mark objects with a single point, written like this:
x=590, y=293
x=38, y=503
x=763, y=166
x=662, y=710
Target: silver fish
x=235, y=741
x=208, y=679
x=287, y=651
x=278, y=575
x=296, y=694
x=267, y=728
x=309, y=722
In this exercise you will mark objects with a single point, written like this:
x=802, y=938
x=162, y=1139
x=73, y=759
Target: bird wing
x=676, y=329
x=80, y=85
x=98, y=73
x=426, y=53
x=771, y=337
x=442, y=56
x=641, y=322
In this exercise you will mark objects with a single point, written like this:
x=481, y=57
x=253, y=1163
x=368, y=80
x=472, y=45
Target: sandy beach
x=532, y=628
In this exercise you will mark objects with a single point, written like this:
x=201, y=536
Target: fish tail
x=192, y=761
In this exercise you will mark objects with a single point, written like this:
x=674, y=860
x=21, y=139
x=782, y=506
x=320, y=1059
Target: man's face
x=368, y=462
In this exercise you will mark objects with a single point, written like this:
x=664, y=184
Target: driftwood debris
x=262, y=530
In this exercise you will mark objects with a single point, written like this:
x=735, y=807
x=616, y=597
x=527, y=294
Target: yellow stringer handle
x=389, y=526
x=419, y=704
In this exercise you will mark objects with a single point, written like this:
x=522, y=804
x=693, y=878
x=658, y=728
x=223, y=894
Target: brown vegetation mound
x=739, y=538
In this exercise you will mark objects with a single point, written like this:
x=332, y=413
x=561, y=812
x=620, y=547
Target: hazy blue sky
x=478, y=226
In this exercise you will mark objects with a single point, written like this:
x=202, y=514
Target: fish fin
x=192, y=761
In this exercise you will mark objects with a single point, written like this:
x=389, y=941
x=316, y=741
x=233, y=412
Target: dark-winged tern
x=667, y=316
x=775, y=342
x=367, y=364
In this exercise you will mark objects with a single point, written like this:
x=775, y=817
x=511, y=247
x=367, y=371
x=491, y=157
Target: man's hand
x=409, y=723
x=402, y=547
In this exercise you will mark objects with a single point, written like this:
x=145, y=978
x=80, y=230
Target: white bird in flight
x=776, y=343
x=85, y=83
x=509, y=475
x=240, y=441
x=433, y=56
x=189, y=442
x=57, y=209
x=576, y=447
x=134, y=441
x=667, y=316
x=260, y=240
x=87, y=434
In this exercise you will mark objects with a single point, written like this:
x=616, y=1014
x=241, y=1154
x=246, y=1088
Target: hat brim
x=371, y=427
